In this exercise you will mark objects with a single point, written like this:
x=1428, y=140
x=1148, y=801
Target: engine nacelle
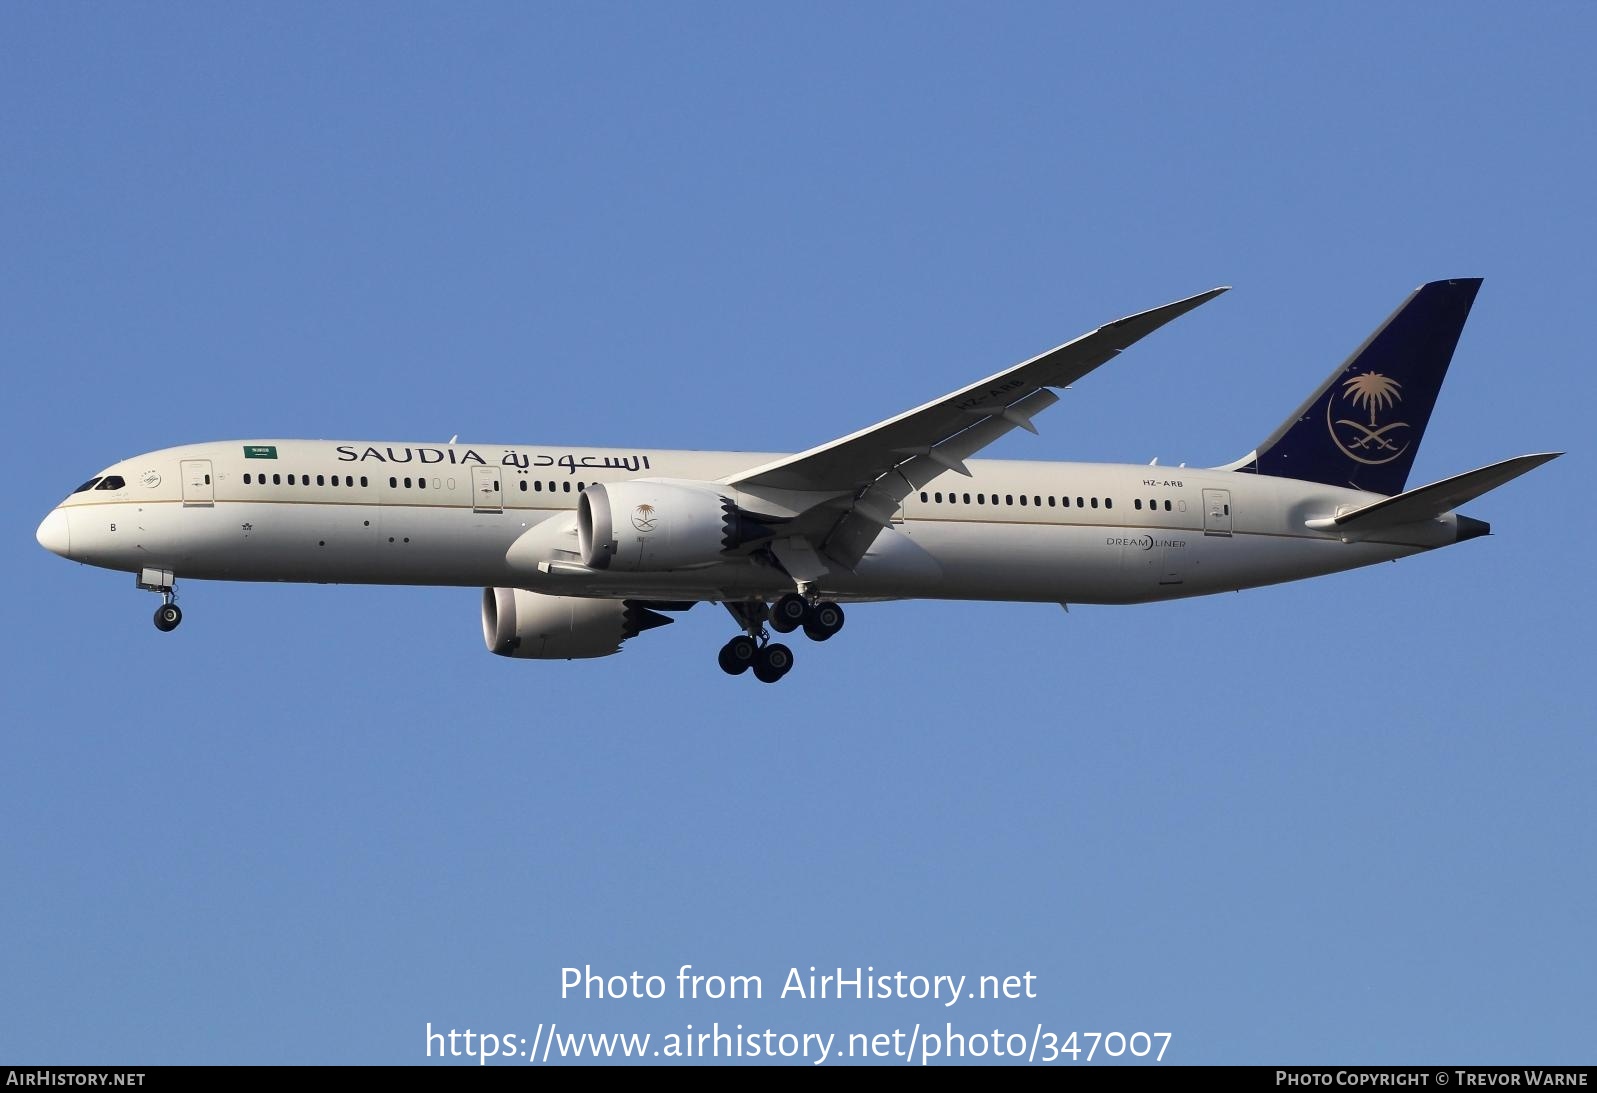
x=649, y=526
x=532, y=626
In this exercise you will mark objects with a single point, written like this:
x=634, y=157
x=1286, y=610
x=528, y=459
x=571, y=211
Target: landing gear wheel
x=738, y=654
x=167, y=616
x=787, y=613
x=773, y=662
x=822, y=621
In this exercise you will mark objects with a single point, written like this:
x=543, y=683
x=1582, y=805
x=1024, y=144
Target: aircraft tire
x=787, y=613
x=737, y=655
x=774, y=662
x=822, y=621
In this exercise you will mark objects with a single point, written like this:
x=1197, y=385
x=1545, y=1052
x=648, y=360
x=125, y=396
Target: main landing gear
x=754, y=648
x=169, y=614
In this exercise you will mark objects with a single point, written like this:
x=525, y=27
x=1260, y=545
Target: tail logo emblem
x=1376, y=440
x=643, y=518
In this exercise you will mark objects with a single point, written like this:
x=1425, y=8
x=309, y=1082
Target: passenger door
x=197, y=488
x=1217, y=512
x=487, y=490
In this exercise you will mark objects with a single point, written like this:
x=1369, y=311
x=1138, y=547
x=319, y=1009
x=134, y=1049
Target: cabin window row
x=1023, y=500
x=394, y=482
x=304, y=480
x=554, y=487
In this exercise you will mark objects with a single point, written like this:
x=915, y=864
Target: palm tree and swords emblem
x=1372, y=443
x=643, y=518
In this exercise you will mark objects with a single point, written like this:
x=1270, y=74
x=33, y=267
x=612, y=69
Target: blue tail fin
x=1363, y=427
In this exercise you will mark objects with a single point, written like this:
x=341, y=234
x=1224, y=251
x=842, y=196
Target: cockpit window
x=111, y=482
x=89, y=485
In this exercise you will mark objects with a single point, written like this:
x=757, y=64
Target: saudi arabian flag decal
x=260, y=451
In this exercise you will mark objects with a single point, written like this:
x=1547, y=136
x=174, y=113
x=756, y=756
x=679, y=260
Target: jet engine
x=651, y=526
x=532, y=626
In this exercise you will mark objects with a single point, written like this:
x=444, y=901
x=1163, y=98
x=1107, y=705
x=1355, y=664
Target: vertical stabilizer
x=1362, y=428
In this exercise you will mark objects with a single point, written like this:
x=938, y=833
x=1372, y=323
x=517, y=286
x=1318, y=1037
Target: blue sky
x=1346, y=820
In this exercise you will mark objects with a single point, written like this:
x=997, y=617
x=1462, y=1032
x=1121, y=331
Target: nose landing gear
x=168, y=615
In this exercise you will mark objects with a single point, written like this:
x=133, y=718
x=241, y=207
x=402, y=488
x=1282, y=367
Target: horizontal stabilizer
x=1430, y=501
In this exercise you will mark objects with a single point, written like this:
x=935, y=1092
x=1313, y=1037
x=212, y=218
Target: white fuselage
x=380, y=513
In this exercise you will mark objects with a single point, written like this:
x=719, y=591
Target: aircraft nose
x=54, y=534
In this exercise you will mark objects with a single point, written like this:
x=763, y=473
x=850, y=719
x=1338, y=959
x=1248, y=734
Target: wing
x=850, y=488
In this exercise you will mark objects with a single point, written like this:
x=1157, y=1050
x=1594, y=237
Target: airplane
x=578, y=550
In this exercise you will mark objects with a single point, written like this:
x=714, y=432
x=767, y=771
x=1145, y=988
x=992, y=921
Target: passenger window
x=923, y=497
x=277, y=480
x=363, y=481
x=246, y=478
x=1108, y=502
x=1009, y=499
x=207, y=480
x=567, y=485
x=537, y=487
x=393, y=483
x=981, y=499
x=523, y=485
x=321, y=480
x=1050, y=500
x=967, y=499
x=334, y=479
x=421, y=483
x=1094, y=502
x=407, y=483
x=1167, y=506
x=1137, y=504
x=1022, y=499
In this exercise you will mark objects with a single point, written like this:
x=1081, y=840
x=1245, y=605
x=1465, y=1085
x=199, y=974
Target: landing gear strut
x=168, y=615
